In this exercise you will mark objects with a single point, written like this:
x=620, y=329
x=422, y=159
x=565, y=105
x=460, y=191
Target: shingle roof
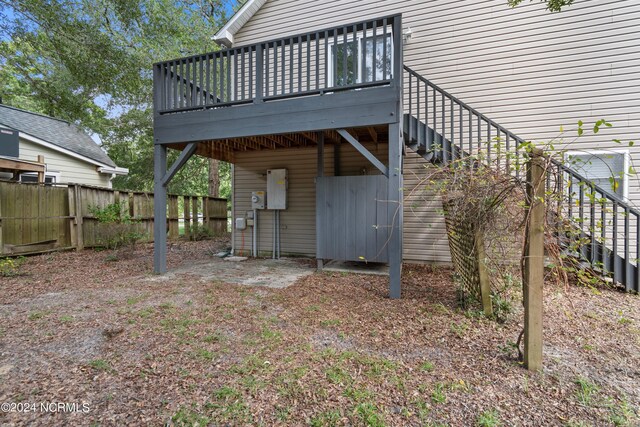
x=57, y=132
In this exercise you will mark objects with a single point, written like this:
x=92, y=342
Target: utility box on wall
x=277, y=189
x=257, y=199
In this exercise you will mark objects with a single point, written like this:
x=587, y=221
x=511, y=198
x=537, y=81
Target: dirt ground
x=98, y=332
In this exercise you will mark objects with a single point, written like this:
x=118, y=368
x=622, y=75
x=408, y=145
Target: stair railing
x=464, y=127
x=600, y=228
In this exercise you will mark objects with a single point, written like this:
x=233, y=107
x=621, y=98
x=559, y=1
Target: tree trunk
x=214, y=178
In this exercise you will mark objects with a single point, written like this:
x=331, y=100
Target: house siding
x=298, y=221
x=72, y=170
x=528, y=69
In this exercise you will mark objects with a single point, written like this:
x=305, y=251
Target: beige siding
x=528, y=69
x=425, y=234
x=72, y=170
x=297, y=222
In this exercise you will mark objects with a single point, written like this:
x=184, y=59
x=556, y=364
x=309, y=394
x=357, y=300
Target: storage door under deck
x=351, y=218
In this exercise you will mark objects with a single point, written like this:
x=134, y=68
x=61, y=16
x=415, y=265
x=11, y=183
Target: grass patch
x=426, y=366
x=229, y=406
x=358, y=394
x=100, y=365
x=36, y=315
x=270, y=336
x=187, y=417
x=368, y=414
x=204, y=354
x=337, y=375
x=586, y=391
x=327, y=418
x=489, y=419
x=330, y=323
x=215, y=337
x=439, y=395
x=135, y=300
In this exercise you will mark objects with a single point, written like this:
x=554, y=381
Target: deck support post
x=159, y=209
x=320, y=173
x=394, y=211
x=396, y=146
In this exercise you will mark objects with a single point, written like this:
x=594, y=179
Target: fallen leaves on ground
x=331, y=349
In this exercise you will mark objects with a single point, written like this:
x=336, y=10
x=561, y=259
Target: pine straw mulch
x=330, y=350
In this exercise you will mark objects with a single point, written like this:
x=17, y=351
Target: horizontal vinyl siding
x=530, y=70
x=424, y=234
x=297, y=222
x=72, y=170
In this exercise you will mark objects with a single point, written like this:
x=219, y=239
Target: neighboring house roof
x=226, y=33
x=56, y=132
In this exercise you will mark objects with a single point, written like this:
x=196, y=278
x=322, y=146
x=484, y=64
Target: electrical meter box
x=258, y=199
x=241, y=223
x=277, y=184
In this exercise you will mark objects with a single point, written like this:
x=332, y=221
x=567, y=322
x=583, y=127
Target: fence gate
x=351, y=218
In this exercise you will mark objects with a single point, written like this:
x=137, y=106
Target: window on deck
x=364, y=60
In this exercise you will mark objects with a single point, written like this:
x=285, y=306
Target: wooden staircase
x=597, y=228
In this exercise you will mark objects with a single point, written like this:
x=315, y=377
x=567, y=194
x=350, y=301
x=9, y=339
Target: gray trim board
x=185, y=155
x=366, y=107
x=363, y=150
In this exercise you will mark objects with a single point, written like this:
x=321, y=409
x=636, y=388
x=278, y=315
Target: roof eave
x=224, y=38
x=237, y=21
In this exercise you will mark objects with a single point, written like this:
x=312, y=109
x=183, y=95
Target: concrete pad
x=374, y=268
x=271, y=273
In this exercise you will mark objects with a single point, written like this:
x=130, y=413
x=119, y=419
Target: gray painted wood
x=159, y=210
x=362, y=149
x=331, y=111
x=348, y=224
x=185, y=155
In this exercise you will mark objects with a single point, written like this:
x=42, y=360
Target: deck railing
x=599, y=227
x=462, y=126
x=347, y=57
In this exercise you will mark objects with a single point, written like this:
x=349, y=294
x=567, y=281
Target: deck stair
x=599, y=229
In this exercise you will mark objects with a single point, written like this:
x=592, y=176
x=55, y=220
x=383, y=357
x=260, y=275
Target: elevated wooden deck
x=280, y=93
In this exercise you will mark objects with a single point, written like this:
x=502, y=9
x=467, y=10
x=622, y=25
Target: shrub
x=10, y=267
x=200, y=232
x=116, y=228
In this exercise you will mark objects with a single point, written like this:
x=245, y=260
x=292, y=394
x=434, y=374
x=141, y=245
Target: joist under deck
x=224, y=149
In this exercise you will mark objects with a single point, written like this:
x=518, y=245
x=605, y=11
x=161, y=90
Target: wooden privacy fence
x=36, y=218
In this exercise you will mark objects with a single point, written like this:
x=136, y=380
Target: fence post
x=174, y=223
x=485, y=282
x=187, y=217
x=534, y=262
x=206, y=215
x=1, y=240
x=41, y=176
x=194, y=213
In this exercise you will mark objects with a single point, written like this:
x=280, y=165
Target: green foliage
x=426, y=366
x=489, y=419
x=552, y=5
x=369, y=415
x=586, y=391
x=90, y=61
x=116, y=228
x=439, y=395
x=199, y=232
x=100, y=365
x=10, y=267
x=328, y=418
x=185, y=417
